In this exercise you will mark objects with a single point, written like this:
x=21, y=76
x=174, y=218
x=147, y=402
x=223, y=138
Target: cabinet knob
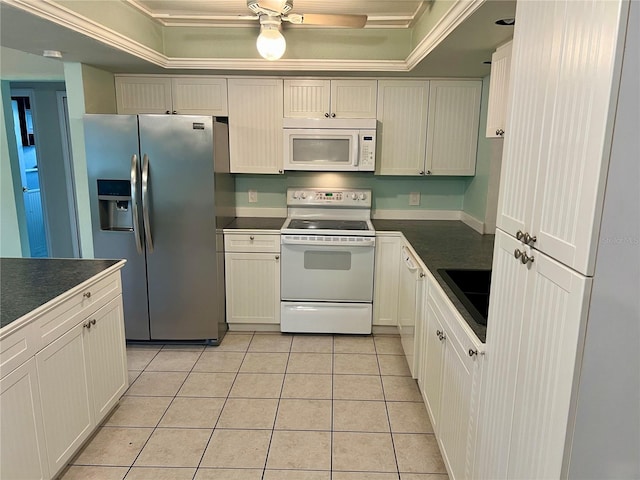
x=526, y=259
x=499, y=132
x=280, y=171
x=519, y=234
x=326, y=115
x=277, y=257
x=438, y=333
x=472, y=352
x=175, y=112
x=333, y=115
x=86, y=294
x=428, y=172
x=422, y=275
x=168, y=112
x=252, y=238
x=517, y=253
x=421, y=172
x=529, y=239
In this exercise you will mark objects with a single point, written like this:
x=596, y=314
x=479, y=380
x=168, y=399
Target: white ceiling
x=459, y=54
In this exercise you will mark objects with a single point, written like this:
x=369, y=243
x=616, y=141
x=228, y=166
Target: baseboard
x=385, y=330
x=472, y=222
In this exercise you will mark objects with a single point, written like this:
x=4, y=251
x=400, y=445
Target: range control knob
x=363, y=196
x=354, y=196
x=295, y=195
x=303, y=195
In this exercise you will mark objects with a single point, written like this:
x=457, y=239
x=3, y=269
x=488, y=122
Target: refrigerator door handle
x=134, y=202
x=145, y=203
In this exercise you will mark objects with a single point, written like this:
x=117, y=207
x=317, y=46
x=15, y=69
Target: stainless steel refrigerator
x=161, y=192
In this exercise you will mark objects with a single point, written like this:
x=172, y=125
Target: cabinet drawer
x=63, y=317
x=240, y=242
x=17, y=347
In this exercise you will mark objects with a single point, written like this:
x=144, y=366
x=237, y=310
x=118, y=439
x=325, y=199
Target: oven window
x=327, y=260
x=321, y=150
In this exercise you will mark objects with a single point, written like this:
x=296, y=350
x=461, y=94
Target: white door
x=199, y=96
x=67, y=408
x=353, y=98
x=107, y=357
x=385, y=284
x=23, y=452
x=150, y=94
x=498, y=91
x=433, y=361
x=255, y=125
x=306, y=98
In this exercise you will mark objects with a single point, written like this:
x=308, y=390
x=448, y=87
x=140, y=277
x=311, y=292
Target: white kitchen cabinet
x=450, y=380
x=82, y=375
x=556, y=151
x=385, y=283
x=534, y=340
x=252, y=278
x=23, y=452
x=498, y=91
x=409, y=304
x=428, y=127
x=403, y=106
x=195, y=95
x=318, y=98
x=255, y=125
x=452, y=127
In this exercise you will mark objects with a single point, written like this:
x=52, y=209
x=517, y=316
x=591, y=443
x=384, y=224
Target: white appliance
x=329, y=144
x=327, y=259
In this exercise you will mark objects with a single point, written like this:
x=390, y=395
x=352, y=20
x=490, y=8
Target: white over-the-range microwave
x=330, y=144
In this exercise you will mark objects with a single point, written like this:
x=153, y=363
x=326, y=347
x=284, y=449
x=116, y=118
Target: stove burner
x=328, y=224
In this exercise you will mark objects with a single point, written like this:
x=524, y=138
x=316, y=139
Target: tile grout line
x=222, y=408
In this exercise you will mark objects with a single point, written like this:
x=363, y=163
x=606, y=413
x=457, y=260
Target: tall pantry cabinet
x=566, y=67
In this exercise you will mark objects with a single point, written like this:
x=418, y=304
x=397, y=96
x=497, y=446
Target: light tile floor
x=267, y=406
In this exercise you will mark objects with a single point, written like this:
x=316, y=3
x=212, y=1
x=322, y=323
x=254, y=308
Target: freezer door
x=111, y=142
x=178, y=209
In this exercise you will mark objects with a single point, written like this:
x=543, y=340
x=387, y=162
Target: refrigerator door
x=178, y=209
x=111, y=144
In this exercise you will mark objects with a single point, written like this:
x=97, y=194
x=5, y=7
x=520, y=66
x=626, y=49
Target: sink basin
x=472, y=289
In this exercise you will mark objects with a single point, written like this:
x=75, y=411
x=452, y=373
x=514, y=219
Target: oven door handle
x=360, y=242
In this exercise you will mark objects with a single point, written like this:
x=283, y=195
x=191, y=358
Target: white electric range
x=328, y=250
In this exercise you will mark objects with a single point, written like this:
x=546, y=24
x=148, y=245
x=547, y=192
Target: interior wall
x=99, y=90
x=10, y=239
x=51, y=164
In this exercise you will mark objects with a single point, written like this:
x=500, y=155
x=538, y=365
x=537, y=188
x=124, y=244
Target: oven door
x=327, y=268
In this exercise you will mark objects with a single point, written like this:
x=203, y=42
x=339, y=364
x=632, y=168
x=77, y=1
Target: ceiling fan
x=271, y=13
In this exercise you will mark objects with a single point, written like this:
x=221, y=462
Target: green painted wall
x=75, y=101
x=389, y=193
x=432, y=14
x=99, y=90
x=10, y=238
x=17, y=65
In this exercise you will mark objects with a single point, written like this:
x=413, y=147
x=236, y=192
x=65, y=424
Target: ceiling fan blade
x=334, y=20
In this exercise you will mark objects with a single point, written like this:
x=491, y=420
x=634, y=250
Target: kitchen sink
x=472, y=289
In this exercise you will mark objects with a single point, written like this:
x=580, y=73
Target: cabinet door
x=433, y=362
x=410, y=281
x=402, y=114
x=67, y=408
x=143, y=95
x=452, y=127
x=23, y=453
x=353, y=98
x=385, y=284
x=457, y=383
x=553, y=328
x=506, y=306
x=107, y=357
x=255, y=125
x=199, y=96
x=306, y=98
x=253, y=287
x=498, y=91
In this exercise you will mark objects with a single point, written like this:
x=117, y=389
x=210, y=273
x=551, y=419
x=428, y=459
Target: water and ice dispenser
x=114, y=200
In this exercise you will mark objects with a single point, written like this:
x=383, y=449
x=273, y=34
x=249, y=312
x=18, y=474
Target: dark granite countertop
x=446, y=244
x=28, y=283
x=256, y=223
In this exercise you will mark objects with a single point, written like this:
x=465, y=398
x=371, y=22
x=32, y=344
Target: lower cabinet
x=409, y=305
x=449, y=381
x=81, y=375
x=252, y=278
x=386, y=276
x=23, y=454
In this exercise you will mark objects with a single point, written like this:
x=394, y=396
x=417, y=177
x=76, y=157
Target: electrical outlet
x=414, y=198
x=253, y=196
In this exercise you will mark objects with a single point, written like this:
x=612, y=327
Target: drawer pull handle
x=86, y=294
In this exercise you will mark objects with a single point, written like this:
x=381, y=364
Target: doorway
x=23, y=121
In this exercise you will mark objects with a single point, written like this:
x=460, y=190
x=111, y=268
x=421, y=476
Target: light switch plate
x=253, y=196
x=414, y=198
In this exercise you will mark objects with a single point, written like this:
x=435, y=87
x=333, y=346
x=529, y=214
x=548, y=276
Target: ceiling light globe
x=271, y=44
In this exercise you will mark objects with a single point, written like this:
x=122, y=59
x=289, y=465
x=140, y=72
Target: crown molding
x=56, y=13
x=458, y=13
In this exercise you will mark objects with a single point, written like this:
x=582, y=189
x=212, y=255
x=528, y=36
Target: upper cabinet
x=255, y=125
x=428, y=127
x=498, y=91
x=330, y=98
x=197, y=95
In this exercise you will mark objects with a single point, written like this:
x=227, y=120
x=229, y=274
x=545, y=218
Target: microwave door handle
x=357, y=151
